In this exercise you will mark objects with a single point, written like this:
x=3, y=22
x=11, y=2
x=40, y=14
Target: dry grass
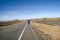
x=49, y=21
x=49, y=32
x=9, y=23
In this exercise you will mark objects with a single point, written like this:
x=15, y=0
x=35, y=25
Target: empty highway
x=22, y=31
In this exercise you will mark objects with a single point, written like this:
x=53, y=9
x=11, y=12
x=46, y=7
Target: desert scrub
x=50, y=32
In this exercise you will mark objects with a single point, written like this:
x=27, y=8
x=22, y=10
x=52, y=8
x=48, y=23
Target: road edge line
x=22, y=32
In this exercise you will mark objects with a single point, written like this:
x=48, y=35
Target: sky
x=28, y=9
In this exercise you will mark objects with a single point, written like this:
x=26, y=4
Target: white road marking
x=22, y=32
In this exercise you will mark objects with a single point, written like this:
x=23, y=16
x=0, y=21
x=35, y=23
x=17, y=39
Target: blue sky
x=27, y=9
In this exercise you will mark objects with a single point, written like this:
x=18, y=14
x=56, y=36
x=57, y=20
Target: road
x=14, y=32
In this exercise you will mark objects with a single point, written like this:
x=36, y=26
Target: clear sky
x=27, y=9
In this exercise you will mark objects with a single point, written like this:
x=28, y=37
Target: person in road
x=28, y=21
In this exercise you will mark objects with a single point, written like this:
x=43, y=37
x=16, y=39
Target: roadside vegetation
x=49, y=28
x=6, y=23
x=49, y=21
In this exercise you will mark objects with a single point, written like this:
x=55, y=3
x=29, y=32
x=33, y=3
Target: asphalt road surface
x=14, y=32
